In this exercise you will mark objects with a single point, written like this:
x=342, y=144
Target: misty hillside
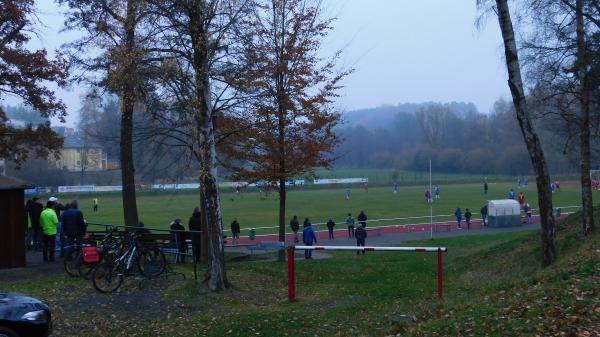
x=384, y=115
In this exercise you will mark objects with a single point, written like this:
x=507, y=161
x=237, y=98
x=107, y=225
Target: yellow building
x=79, y=154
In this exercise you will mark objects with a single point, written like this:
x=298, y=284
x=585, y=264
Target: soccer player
x=395, y=187
x=436, y=190
x=366, y=187
x=526, y=182
x=511, y=194
x=427, y=195
x=552, y=186
x=348, y=193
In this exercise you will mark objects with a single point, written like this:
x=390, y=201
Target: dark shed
x=12, y=222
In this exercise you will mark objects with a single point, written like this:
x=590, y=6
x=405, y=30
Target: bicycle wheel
x=71, y=262
x=85, y=270
x=151, y=262
x=107, y=277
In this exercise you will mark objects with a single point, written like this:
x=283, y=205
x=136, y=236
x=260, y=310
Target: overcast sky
x=402, y=51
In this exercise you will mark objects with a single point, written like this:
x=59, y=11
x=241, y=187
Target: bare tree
x=534, y=147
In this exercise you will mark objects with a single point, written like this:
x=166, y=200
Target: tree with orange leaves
x=24, y=74
x=288, y=126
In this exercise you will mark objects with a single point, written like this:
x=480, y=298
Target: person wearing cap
x=59, y=241
x=235, y=231
x=176, y=230
x=48, y=221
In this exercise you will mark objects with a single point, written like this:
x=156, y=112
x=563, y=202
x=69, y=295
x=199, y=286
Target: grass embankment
x=158, y=209
x=494, y=286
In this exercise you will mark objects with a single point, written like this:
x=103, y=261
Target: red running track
x=342, y=231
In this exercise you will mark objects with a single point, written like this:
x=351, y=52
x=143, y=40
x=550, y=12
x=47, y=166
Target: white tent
x=504, y=213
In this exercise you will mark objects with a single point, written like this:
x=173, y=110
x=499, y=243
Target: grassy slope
x=253, y=210
x=516, y=297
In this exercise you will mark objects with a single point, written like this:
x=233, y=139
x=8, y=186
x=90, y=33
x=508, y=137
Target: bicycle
x=108, y=275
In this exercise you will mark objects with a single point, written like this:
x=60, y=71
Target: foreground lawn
x=494, y=286
x=158, y=209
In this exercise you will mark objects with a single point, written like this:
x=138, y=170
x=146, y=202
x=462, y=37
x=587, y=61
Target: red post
x=291, y=274
x=439, y=272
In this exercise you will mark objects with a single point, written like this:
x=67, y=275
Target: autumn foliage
x=25, y=74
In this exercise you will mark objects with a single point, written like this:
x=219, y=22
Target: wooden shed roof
x=8, y=183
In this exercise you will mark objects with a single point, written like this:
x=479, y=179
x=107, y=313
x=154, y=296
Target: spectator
x=308, y=237
x=48, y=221
x=330, y=225
x=362, y=219
x=458, y=215
x=195, y=224
x=177, y=230
x=468, y=216
x=35, y=210
x=484, y=213
x=350, y=223
x=235, y=231
x=58, y=208
x=295, y=225
x=73, y=225
x=528, y=212
x=361, y=235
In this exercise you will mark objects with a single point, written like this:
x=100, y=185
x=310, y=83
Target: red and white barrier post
x=292, y=266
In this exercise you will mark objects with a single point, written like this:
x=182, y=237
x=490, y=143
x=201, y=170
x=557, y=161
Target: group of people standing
x=309, y=236
x=51, y=231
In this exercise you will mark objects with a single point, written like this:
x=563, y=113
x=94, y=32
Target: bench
x=267, y=245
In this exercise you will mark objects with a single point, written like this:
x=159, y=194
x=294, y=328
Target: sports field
x=158, y=209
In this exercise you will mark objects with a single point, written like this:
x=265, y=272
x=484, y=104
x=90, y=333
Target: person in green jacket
x=48, y=221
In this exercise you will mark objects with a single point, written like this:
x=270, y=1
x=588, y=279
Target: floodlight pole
x=430, y=203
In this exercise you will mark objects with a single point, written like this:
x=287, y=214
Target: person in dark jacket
x=458, y=215
x=235, y=231
x=180, y=237
x=468, y=216
x=194, y=224
x=362, y=219
x=484, y=213
x=295, y=225
x=361, y=235
x=350, y=224
x=330, y=225
x=73, y=226
x=308, y=237
x=35, y=210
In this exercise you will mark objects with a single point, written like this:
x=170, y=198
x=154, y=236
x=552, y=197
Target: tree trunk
x=216, y=276
x=204, y=229
x=282, y=196
x=127, y=104
x=532, y=141
x=584, y=105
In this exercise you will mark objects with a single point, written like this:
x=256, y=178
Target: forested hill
x=385, y=115
x=455, y=136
